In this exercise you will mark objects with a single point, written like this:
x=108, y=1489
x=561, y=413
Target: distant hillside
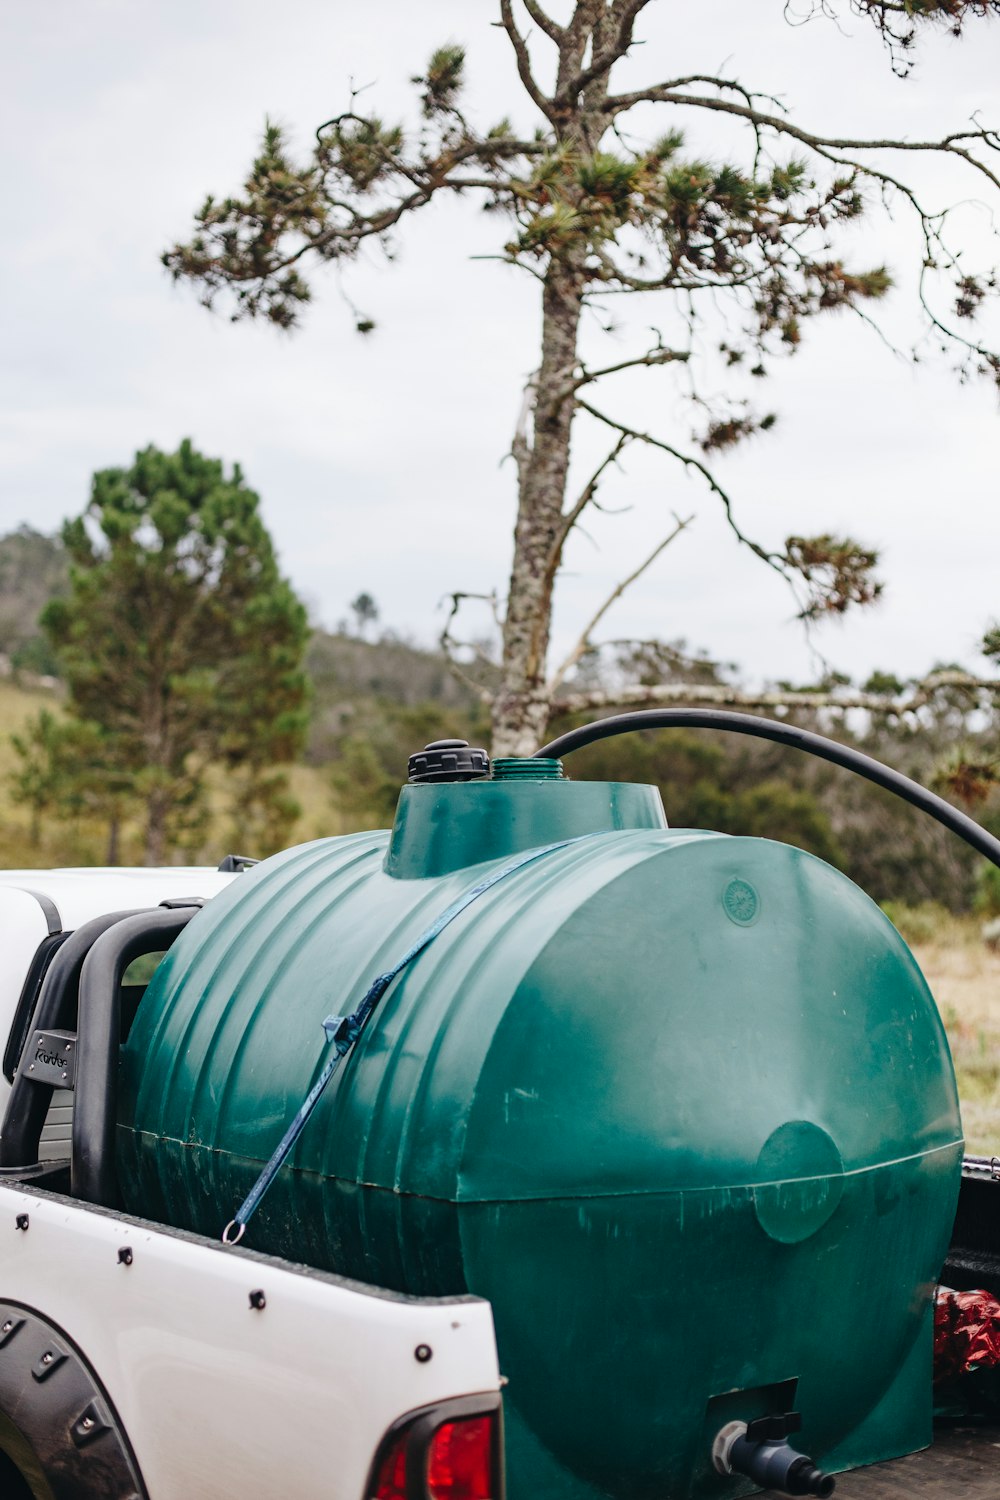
x=386, y=690
x=33, y=568
x=349, y=674
x=386, y=668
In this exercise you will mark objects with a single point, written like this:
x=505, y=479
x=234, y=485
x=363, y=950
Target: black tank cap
x=448, y=760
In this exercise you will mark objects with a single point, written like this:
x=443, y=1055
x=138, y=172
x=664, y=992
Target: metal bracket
x=50, y=1057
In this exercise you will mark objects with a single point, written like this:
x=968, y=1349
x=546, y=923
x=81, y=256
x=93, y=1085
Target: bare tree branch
x=552, y=29
x=617, y=104
x=682, y=692
x=624, y=14
x=631, y=283
x=585, y=497
x=584, y=641
x=653, y=357
x=731, y=84
x=657, y=356
x=936, y=251
x=772, y=559
x=523, y=57
x=449, y=645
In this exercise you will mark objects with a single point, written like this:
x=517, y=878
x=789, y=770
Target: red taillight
x=390, y=1482
x=460, y=1460
x=449, y=1451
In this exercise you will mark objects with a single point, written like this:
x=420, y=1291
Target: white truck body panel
x=221, y=1399
x=80, y=894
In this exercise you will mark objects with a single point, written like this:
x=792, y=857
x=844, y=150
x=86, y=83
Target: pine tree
x=180, y=644
x=594, y=213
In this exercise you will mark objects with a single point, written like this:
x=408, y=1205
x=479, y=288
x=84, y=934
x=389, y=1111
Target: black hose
x=95, y=1111
x=55, y=1010
x=783, y=734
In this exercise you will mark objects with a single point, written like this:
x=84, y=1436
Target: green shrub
x=986, y=897
x=919, y=924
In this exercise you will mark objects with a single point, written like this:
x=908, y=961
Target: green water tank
x=679, y=1104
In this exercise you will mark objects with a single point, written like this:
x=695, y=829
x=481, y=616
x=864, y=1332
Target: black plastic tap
x=761, y=1450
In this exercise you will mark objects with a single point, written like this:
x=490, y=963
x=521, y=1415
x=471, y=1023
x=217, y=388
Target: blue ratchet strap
x=343, y=1032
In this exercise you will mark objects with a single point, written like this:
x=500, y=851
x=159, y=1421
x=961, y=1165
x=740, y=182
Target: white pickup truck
x=139, y=1361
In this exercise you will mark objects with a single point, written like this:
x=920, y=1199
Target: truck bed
x=964, y=1462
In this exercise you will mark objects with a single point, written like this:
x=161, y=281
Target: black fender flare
x=58, y=1425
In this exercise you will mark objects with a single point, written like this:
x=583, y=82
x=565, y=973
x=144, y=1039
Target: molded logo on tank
x=740, y=902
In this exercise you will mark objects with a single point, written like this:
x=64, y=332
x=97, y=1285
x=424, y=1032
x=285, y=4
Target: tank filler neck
x=536, y=768
x=453, y=814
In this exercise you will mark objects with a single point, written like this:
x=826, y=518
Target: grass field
x=17, y=704
x=964, y=977
x=84, y=842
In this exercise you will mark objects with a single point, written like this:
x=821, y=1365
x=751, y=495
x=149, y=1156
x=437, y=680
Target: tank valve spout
x=762, y=1452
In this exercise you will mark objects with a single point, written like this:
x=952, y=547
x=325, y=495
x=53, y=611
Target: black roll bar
x=95, y=1109
x=55, y=1009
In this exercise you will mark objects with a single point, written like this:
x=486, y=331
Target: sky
x=380, y=460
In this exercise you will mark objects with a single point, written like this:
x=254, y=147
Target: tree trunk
x=157, y=737
x=114, y=850
x=521, y=707
x=156, y=827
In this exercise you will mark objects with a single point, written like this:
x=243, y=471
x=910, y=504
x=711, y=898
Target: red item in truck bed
x=966, y=1333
